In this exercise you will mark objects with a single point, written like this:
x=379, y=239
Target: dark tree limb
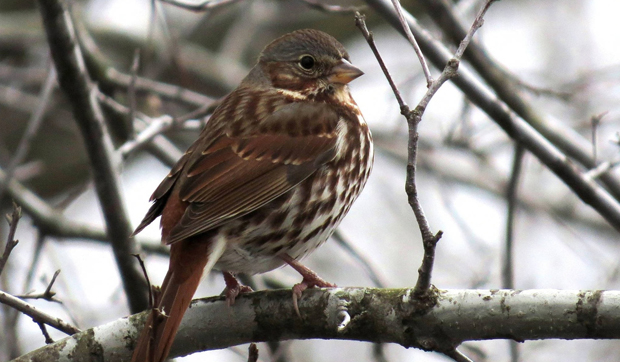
x=81, y=92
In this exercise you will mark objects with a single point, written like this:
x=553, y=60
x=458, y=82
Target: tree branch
x=376, y=315
x=11, y=243
x=75, y=82
x=31, y=130
x=37, y=315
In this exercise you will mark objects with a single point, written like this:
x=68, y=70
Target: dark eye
x=306, y=62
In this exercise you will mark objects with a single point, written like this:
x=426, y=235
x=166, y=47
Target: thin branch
x=600, y=170
x=148, y=281
x=155, y=127
x=48, y=338
x=34, y=262
x=131, y=90
x=489, y=180
x=334, y=9
x=51, y=221
x=508, y=260
x=37, y=315
x=595, y=122
x=360, y=22
x=203, y=6
x=48, y=294
x=164, y=90
x=11, y=243
x=81, y=92
x=512, y=201
x=31, y=130
x=160, y=146
x=428, y=239
x=414, y=43
x=414, y=117
x=366, y=264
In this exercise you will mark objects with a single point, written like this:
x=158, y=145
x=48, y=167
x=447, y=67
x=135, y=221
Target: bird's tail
x=188, y=260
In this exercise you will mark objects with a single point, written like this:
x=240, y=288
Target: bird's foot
x=233, y=288
x=310, y=280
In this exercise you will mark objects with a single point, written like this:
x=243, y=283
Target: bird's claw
x=306, y=283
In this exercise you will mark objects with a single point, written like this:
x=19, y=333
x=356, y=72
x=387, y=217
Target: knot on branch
x=452, y=67
x=430, y=241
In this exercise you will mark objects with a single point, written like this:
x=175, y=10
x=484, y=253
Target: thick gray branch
x=373, y=315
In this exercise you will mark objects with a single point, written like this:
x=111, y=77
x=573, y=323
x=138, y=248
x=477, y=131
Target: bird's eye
x=306, y=62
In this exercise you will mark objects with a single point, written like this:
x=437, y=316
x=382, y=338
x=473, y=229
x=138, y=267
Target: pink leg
x=233, y=288
x=310, y=279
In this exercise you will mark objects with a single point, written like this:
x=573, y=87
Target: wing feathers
x=227, y=174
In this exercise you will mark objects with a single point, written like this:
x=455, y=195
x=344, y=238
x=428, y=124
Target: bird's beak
x=344, y=72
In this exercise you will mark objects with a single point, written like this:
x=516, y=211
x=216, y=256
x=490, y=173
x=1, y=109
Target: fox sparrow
x=271, y=176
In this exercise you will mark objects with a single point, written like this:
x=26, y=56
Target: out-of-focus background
x=562, y=56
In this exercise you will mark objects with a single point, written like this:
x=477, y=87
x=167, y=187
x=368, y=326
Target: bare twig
x=164, y=90
x=414, y=43
x=595, y=121
x=11, y=243
x=75, y=82
x=31, y=130
x=363, y=261
x=600, y=170
x=48, y=338
x=159, y=146
x=37, y=315
x=148, y=280
x=131, y=90
x=428, y=239
x=413, y=119
x=155, y=127
x=512, y=201
x=48, y=294
x=203, y=6
x=34, y=262
x=337, y=9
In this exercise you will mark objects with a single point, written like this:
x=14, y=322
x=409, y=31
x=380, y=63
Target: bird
x=271, y=175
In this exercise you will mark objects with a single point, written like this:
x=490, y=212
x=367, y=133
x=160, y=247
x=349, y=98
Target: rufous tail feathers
x=189, y=259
